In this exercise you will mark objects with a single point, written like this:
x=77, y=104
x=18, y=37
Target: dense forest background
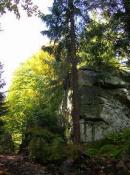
x=83, y=34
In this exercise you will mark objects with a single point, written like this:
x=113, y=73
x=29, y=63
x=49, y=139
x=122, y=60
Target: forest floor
x=20, y=165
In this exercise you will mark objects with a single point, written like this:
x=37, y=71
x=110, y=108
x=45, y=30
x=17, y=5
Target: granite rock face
x=104, y=103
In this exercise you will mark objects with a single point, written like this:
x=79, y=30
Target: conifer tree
x=64, y=24
x=74, y=73
x=119, y=11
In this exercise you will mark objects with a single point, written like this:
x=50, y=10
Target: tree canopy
x=13, y=6
x=98, y=47
x=35, y=95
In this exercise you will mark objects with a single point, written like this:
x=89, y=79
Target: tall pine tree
x=64, y=25
x=74, y=73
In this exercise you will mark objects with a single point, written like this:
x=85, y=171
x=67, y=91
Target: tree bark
x=74, y=74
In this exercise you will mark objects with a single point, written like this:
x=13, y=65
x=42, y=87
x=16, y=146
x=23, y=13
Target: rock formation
x=104, y=103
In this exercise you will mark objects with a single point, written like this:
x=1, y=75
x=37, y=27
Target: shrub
x=38, y=150
x=45, y=146
x=57, y=150
x=6, y=143
x=72, y=151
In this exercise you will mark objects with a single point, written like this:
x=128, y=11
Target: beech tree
x=33, y=98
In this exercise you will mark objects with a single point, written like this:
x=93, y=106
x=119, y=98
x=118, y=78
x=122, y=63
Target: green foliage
x=114, y=145
x=46, y=146
x=35, y=96
x=6, y=143
x=91, y=150
x=111, y=151
x=72, y=151
x=57, y=150
x=38, y=150
x=59, y=17
x=38, y=146
x=119, y=12
x=97, y=48
x=119, y=138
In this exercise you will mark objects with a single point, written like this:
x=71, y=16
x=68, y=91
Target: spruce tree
x=64, y=25
x=119, y=11
x=74, y=73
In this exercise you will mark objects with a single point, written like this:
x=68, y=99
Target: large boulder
x=104, y=103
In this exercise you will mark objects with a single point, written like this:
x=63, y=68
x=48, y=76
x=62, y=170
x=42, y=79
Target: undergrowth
x=115, y=145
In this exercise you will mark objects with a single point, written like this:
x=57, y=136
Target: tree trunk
x=74, y=74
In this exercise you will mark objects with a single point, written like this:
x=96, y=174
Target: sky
x=20, y=39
